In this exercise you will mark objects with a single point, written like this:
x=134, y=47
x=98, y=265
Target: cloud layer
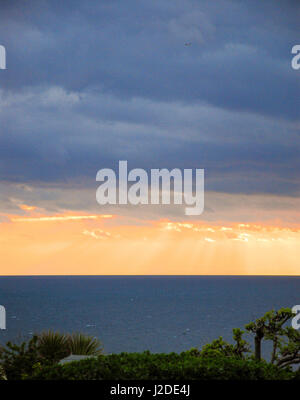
x=160, y=84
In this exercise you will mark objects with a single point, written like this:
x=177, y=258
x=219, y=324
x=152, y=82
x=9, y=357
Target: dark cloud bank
x=90, y=83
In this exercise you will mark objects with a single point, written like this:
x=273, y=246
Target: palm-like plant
x=53, y=346
x=80, y=344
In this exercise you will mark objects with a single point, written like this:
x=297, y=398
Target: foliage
x=84, y=345
x=289, y=348
x=286, y=340
x=3, y=376
x=45, y=349
x=219, y=347
x=53, y=346
x=38, y=359
x=148, y=366
x=19, y=361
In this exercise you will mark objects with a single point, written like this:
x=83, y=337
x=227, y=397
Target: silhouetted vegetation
x=173, y=366
x=44, y=349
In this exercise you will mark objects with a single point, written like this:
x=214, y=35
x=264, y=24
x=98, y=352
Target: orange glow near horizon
x=24, y=207
x=59, y=218
x=82, y=244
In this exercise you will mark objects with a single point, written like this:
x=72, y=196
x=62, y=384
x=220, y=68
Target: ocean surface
x=136, y=313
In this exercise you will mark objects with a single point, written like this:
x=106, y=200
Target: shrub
x=44, y=349
x=84, y=345
x=147, y=366
x=53, y=346
x=19, y=361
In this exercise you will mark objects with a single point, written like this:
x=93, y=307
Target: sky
x=162, y=84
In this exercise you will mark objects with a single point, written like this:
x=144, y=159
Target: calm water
x=138, y=313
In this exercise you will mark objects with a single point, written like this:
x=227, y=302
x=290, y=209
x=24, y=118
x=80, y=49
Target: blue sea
x=135, y=313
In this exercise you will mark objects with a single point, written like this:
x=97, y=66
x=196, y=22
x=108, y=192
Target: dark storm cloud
x=89, y=83
x=239, y=57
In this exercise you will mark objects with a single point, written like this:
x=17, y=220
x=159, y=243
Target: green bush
x=44, y=349
x=147, y=366
x=53, y=346
x=84, y=345
x=19, y=361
